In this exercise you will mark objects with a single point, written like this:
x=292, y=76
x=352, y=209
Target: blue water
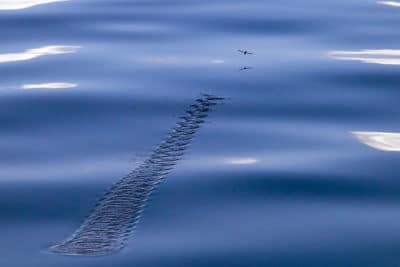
x=275, y=176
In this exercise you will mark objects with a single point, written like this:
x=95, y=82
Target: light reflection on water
x=39, y=52
x=241, y=161
x=58, y=85
x=380, y=140
x=382, y=56
x=22, y=4
x=390, y=3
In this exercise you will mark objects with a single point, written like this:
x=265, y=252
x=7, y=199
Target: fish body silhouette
x=114, y=218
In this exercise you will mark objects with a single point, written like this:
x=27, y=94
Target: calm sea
x=298, y=168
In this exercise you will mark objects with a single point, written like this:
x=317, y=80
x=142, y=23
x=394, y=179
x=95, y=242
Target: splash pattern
x=114, y=218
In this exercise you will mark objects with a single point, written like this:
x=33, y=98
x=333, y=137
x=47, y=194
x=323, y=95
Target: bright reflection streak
x=49, y=86
x=380, y=140
x=241, y=161
x=21, y=4
x=382, y=56
x=38, y=52
x=390, y=3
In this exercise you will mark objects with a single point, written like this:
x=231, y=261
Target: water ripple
x=108, y=227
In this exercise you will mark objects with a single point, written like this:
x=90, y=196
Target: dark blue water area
x=275, y=176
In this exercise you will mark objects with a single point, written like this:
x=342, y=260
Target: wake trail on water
x=114, y=218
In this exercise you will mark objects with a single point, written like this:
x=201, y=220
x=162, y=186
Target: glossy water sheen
x=300, y=167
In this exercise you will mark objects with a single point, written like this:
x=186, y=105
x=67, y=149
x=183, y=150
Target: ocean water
x=299, y=166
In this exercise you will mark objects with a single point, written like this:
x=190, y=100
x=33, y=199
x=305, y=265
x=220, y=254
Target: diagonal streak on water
x=112, y=221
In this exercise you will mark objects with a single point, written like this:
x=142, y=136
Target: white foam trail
x=49, y=86
x=389, y=3
x=22, y=4
x=38, y=52
x=380, y=140
x=379, y=56
x=241, y=161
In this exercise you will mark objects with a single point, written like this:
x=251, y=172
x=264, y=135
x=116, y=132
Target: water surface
x=298, y=168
